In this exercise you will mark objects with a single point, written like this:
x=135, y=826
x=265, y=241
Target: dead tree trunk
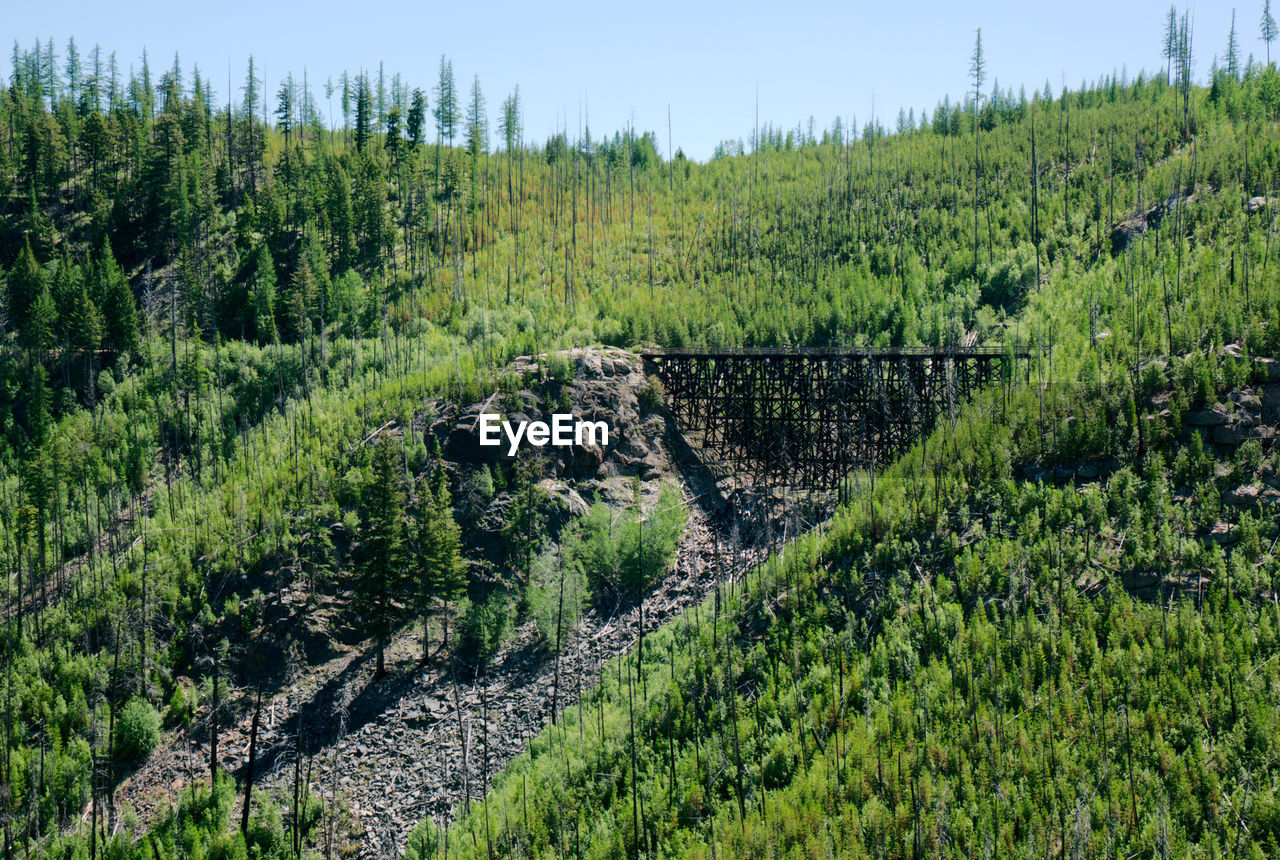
x=248, y=775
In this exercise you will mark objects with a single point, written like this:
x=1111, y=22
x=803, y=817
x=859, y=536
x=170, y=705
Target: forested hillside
x=229, y=321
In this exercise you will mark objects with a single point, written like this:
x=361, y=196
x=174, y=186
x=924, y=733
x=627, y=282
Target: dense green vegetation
x=927, y=676
x=206, y=320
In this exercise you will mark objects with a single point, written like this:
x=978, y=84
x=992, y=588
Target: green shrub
x=558, y=367
x=652, y=395
x=252, y=611
x=778, y=765
x=563, y=402
x=266, y=836
x=1271, y=340
x=555, y=596
x=477, y=492
x=1249, y=457
x=628, y=554
x=181, y=706
x=424, y=842
x=137, y=729
x=1153, y=378
x=1006, y=282
x=483, y=626
x=524, y=526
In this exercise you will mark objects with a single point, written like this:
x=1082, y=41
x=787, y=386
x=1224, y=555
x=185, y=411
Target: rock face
x=1240, y=432
x=605, y=388
x=1269, y=368
x=1208, y=418
x=1140, y=222
x=1247, y=413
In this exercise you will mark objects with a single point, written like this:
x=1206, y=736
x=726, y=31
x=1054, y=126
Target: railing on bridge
x=829, y=351
x=808, y=416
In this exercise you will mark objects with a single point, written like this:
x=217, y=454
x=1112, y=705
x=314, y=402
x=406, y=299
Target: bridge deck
x=807, y=416
x=840, y=351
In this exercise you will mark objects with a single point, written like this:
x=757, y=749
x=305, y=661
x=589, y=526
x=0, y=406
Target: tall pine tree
x=262, y=297
x=440, y=570
x=380, y=585
x=119, y=311
x=445, y=111
x=1268, y=28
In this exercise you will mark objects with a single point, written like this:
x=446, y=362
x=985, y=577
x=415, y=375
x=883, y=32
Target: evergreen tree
x=417, y=117
x=524, y=528
x=164, y=182
x=381, y=583
x=253, y=136
x=364, y=109
x=146, y=103
x=114, y=97
x=286, y=109
x=26, y=283
x=440, y=579
x=369, y=205
x=1233, y=51
x=313, y=252
x=97, y=139
x=477, y=124
x=37, y=335
x=74, y=70
x=299, y=301
x=1268, y=28
x=477, y=135
x=393, y=140
x=977, y=70
x=445, y=112
x=84, y=331
x=345, y=102
x=36, y=398
x=342, y=240
x=196, y=117
x=119, y=310
x=170, y=93
x=509, y=125
x=382, y=95
x=49, y=72
x=262, y=297
x=977, y=75
x=91, y=93
x=446, y=109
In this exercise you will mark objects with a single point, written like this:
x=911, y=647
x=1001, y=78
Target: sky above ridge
x=608, y=64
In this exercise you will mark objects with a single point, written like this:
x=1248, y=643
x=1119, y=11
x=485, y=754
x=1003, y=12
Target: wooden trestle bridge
x=807, y=417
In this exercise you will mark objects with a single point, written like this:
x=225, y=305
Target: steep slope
x=200, y=335
x=382, y=753
x=954, y=665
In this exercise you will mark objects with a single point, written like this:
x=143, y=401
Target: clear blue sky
x=622, y=60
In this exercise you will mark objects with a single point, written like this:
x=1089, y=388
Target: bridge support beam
x=809, y=417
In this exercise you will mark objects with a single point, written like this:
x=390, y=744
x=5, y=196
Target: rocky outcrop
x=1138, y=224
x=1267, y=368
x=605, y=387
x=1246, y=413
